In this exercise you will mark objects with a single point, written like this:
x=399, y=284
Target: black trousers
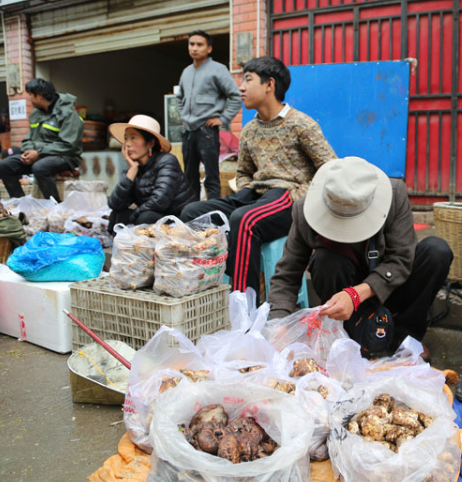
x=12, y=169
x=202, y=145
x=409, y=303
x=254, y=219
x=123, y=217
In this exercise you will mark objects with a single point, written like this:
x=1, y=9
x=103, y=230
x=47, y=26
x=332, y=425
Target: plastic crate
x=134, y=316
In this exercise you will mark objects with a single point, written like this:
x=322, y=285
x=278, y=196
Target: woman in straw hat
x=154, y=180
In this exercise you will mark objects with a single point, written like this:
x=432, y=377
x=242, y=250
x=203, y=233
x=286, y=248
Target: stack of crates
x=134, y=316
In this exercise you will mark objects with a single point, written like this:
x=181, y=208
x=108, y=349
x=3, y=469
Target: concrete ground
x=45, y=437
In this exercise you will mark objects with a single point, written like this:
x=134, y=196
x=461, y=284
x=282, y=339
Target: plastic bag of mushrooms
x=396, y=428
x=167, y=359
x=257, y=434
x=191, y=257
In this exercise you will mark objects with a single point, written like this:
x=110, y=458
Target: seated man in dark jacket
x=349, y=202
x=154, y=180
x=53, y=143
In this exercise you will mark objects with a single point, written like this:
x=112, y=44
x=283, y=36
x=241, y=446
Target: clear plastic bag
x=162, y=357
x=95, y=192
x=37, y=211
x=359, y=460
x=132, y=261
x=346, y=364
x=58, y=257
x=316, y=393
x=243, y=346
x=305, y=326
x=280, y=415
x=92, y=223
x=191, y=257
x=75, y=203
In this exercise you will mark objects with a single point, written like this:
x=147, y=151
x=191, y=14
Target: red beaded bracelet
x=354, y=296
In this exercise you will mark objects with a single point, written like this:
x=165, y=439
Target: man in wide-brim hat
x=349, y=202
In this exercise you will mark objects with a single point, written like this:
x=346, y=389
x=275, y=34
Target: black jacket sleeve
x=165, y=187
x=121, y=197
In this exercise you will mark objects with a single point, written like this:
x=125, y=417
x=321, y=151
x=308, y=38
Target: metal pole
x=95, y=337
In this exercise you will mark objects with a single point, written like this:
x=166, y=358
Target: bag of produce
x=58, y=257
x=132, y=261
x=346, y=364
x=95, y=192
x=394, y=429
x=295, y=371
x=191, y=257
x=305, y=326
x=157, y=367
x=36, y=210
x=317, y=393
x=91, y=223
x=242, y=349
x=57, y=216
x=258, y=435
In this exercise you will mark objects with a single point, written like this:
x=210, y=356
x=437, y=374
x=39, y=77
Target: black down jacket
x=159, y=186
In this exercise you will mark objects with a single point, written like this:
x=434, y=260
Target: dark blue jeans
x=12, y=169
x=203, y=145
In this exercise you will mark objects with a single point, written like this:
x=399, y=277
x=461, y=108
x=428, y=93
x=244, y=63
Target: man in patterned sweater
x=279, y=153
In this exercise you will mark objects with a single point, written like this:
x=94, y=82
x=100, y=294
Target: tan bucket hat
x=348, y=200
x=144, y=123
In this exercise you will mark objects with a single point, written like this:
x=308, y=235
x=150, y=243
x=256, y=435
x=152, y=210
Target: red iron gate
x=334, y=31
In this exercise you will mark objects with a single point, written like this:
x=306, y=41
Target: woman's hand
x=132, y=165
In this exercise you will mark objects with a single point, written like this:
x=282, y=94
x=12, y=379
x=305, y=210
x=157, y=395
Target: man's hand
x=213, y=122
x=340, y=307
x=29, y=157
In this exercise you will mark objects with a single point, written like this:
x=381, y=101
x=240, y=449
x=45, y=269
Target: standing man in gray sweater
x=205, y=86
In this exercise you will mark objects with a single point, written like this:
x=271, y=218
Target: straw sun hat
x=144, y=123
x=348, y=200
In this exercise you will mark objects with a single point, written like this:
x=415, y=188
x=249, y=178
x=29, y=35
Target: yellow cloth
x=130, y=465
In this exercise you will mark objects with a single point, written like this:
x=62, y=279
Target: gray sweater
x=396, y=243
x=203, y=93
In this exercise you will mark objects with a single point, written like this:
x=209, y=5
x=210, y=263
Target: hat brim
x=346, y=229
x=118, y=131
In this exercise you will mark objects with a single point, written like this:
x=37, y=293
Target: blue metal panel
x=362, y=108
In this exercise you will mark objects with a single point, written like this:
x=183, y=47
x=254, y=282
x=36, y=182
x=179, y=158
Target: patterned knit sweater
x=282, y=153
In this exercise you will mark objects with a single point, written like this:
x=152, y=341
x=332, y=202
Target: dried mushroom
x=251, y=369
x=384, y=422
x=210, y=413
x=241, y=440
x=196, y=375
x=304, y=366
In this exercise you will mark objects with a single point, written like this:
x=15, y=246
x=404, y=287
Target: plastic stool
x=271, y=253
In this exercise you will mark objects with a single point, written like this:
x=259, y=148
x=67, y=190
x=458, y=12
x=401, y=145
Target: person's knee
x=436, y=251
x=39, y=170
x=189, y=212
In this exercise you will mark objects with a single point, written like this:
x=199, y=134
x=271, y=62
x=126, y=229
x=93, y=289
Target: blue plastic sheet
x=58, y=257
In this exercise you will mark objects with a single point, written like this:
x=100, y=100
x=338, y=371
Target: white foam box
x=33, y=311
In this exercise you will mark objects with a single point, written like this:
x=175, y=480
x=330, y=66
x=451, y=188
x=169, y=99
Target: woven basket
x=5, y=249
x=448, y=225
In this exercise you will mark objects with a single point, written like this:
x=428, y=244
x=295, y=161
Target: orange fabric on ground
x=130, y=465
